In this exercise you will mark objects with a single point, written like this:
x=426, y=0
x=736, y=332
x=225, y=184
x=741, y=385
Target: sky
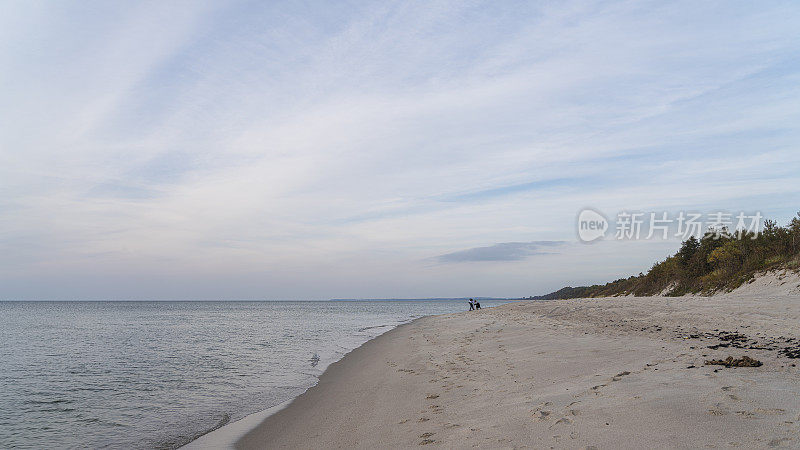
x=313, y=150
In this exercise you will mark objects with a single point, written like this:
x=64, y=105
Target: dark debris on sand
x=785, y=346
x=730, y=361
x=790, y=352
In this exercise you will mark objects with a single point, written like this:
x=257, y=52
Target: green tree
x=688, y=249
x=727, y=257
x=794, y=231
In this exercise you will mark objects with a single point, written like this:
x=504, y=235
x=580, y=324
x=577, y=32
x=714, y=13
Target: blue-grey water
x=159, y=374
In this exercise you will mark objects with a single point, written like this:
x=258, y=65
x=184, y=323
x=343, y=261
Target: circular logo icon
x=592, y=225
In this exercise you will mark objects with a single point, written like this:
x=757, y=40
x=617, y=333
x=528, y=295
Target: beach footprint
x=426, y=438
x=540, y=414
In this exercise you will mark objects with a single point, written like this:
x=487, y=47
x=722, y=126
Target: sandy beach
x=590, y=373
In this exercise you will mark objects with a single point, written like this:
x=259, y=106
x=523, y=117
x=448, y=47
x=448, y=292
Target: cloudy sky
x=301, y=150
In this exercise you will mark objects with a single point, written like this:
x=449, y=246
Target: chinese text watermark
x=593, y=225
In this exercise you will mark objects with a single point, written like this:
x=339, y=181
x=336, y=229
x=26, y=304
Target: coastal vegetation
x=719, y=261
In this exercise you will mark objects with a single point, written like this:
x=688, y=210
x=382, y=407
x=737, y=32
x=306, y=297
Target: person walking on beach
x=471, y=304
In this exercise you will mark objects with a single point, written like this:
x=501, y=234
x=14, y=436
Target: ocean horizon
x=272, y=300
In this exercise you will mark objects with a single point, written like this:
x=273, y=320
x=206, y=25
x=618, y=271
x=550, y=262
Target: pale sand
x=606, y=373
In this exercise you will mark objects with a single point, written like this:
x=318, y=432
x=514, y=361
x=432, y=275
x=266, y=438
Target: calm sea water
x=160, y=374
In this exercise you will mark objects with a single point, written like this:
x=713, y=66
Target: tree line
x=719, y=260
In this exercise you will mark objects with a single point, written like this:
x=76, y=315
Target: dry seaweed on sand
x=730, y=361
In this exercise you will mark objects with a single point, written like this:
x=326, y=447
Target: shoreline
x=559, y=373
x=334, y=376
x=229, y=434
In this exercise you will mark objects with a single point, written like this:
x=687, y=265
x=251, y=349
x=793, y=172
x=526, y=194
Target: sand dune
x=779, y=283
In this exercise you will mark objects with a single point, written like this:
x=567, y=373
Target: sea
x=157, y=375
